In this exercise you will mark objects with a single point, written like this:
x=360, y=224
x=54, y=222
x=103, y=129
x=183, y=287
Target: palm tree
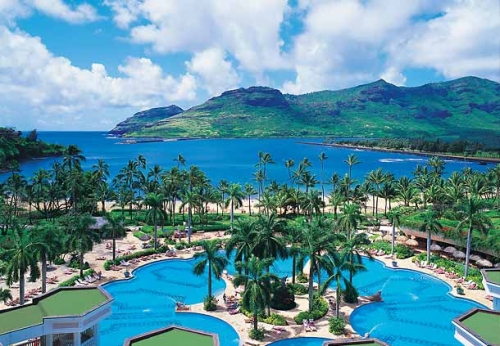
x=394, y=216
x=351, y=160
x=113, y=228
x=212, y=259
x=22, y=259
x=316, y=239
x=5, y=295
x=223, y=187
x=322, y=158
x=257, y=282
x=155, y=202
x=181, y=161
x=81, y=237
x=47, y=243
x=430, y=224
x=190, y=199
x=242, y=239
x=350, y=219
x=250, y=191
x=289, y=164
x=268, y=240
x=235, y=198
x=293, y=237
x=336, y=265
x=472, y=217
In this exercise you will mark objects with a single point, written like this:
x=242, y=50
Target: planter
x=460, y=290
x=127, y=274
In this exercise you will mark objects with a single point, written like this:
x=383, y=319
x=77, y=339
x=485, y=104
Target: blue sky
x=86, y=65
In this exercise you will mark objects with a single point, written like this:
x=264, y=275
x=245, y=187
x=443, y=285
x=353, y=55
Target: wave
x=391, y=160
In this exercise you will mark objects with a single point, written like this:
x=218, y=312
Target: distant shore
x=409, y=152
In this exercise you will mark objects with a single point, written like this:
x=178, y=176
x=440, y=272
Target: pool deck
x=132, y=244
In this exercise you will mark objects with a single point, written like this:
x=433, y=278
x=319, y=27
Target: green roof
x=492, y=275
x=367, y=342
x=174, y=336
x=61, y=302
x=484, y=324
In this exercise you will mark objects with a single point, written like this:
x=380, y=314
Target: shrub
x=276, y=320
x=319, y=309
x=209, y=303
x=298, y=288
x=256, y=334
x=350, y=295
x=59, y=261
x=336, y=325
x=301, y=278
x=283, y=298
x=403, y=252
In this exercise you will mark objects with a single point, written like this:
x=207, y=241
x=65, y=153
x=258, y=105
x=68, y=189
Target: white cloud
x=217, y=74
x=248, y=30
x=58, y=9
x=12, y=9
x=48, y=85
x=345, y=43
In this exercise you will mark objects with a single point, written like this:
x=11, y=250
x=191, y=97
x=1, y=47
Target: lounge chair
x=312, y=325
x=423, y=264
x=278, y=329
x=124, y=263
x=305, y=323
x=181, y=307
x=471, y=286
x=234, y=311
x=81, y=283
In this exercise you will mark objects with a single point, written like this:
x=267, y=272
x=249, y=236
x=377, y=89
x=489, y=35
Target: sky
x=87, y=65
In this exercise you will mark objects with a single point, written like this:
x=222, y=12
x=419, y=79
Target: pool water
x=147, y=303
x=417, y=308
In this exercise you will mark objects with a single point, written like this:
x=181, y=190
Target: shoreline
x=407, y=152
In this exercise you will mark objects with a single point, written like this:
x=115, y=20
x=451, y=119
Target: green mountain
x=466, y=108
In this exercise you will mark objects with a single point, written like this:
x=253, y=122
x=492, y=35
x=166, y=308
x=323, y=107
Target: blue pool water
x=147, y=302
x=300, y=342
x=417, y=308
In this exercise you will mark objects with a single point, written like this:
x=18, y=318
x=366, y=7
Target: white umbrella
x=411, y=242
x=387, y=237
x=401, y=239
x=436, y=247
x=475, y=258
x=484, y=263
x=450, y=249
x=458, y=254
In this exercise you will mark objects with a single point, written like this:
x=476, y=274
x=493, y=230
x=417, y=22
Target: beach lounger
x=278, y=329
x=234, y=311
x=124, y=263
x=312, y=325
x=305, y=324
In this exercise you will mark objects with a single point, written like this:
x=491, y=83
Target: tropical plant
x=155, y=203
x=212, y=259
x=113, y=228
x=235, y=198
x=430, y=224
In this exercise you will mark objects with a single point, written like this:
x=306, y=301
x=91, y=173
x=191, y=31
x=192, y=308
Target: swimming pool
x=417, y=307
x=147, y=302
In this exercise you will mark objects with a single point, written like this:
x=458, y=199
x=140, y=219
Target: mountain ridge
x=465, y=108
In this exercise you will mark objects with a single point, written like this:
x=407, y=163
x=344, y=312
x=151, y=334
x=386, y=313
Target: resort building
x=65, y=316
x=491, y=282
x=174, y=335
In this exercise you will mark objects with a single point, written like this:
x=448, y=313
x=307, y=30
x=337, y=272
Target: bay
x=233, y=159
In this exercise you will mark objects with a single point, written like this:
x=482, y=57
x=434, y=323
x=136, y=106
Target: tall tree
x=113, y=229
x=430, y=224
x=250, y=191
x=47, y=243
x=394, y=216
x=156, y=213
x=235, y=198
x=471, y=216
x=80, y=236
x=257, y=282
x=22, y=258
x=351, y=161
x=322, y=158
x=212, y=259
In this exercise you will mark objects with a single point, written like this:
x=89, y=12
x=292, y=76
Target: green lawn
x=493, y=276
x=176, y=337
x=63, y=303
x=486, y=325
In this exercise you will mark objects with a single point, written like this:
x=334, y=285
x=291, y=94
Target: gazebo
x=65, y=316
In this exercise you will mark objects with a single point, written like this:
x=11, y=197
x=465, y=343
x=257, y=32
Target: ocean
x=233, y=159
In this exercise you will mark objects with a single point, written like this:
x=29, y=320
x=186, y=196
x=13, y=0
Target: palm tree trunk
x=428, y=245
x=249, y=207
x=209, y=280
x=156, y=229
x=467, y=252
x=311, y=285
x=338, y=293
x=21, y=287
x=393, y=237
x=44, y=272
x=114, y=246
x=81, y=264
x=232, y=214
x=294, y=264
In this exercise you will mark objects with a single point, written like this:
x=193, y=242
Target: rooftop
x=57, y=303
x=492, y=275
x=482, y=324
x=174, y=336
x=364, y=342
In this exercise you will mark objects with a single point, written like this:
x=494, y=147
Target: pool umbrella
x=411, y=242
x=484, y=263
x=458, y=254
x=436, y=247
x=450, y=249
x=401, y=239
x=387, y=237
x=475, y=258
